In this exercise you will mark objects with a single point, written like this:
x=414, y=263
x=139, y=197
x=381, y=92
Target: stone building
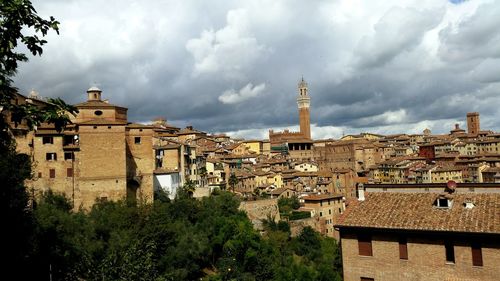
x=327, y=208
x=421, y=236
x=101, y=156
x=473, y=125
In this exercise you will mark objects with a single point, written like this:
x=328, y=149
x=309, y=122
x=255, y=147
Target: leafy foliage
x=184, y=239
x=288, y=204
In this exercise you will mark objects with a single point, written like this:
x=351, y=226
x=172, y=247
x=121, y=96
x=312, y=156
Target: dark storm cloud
x=234, y=66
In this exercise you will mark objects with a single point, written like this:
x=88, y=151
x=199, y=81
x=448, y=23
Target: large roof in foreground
x=416, y=211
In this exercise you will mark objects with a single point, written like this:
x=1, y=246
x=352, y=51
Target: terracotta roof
x=492, y=170
x=139, y=126
x=319, y=197
x=416, y=211
x=100, y=104
x=101, y=122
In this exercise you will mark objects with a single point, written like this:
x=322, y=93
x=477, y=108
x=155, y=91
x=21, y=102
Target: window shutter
x=365, y=245
x=403, y=249
x=477, y=255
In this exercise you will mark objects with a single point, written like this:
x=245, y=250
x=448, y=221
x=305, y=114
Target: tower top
x=94, y=94
x=302, y=83
x=303, y=88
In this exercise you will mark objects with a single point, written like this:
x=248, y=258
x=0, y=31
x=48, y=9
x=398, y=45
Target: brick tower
x=473, y=125
x=303, y=102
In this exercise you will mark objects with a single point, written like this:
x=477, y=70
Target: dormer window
x=443, y=202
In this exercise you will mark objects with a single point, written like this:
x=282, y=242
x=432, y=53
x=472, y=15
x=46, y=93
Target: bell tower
x=303, y=102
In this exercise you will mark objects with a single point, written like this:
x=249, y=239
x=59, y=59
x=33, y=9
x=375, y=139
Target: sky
x=233, y=67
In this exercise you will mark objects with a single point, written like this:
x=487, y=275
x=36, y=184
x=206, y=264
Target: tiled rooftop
x=416, y=211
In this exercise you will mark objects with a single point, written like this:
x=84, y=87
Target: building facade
x=421, y=236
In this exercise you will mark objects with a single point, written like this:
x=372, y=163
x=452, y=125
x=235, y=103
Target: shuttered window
x=403, y=248
x=365, y=245
x=52, y=173
x=69, y=172
x=477, y=255
x=450, y=252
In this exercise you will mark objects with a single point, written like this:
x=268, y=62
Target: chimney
x=361, y=192
x=457, y=126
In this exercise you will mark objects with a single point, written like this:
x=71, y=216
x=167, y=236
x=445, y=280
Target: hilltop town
x=104, y=156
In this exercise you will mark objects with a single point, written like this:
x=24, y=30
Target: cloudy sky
x=233, y=66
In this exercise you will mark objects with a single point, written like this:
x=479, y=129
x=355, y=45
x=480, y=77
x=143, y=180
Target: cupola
x=94, y=94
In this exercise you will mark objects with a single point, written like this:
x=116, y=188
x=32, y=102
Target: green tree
x=287, y=205
x=233, y=180
x=20, y=29
x=203, y=174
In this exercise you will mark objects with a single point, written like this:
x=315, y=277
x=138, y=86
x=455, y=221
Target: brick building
x=100, y=156
x=298, y=143
x=421, y=236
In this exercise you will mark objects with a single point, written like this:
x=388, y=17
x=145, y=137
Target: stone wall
x=261, y=209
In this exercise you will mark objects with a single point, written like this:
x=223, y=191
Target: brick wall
x=426, y=258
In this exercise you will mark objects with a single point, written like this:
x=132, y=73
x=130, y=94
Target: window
x=51, y=156
x=98, y=112
x=47, y=140
x=68, y=155
x=443, y=203
x=403, y=248
x=52, y=173
x=137, y=140
x=320, y=214
x=69, y=172
x=39, y=174
x=450, y=252
x=367, y=279
x=477, y=254
x=365, y=245
x=330, y=211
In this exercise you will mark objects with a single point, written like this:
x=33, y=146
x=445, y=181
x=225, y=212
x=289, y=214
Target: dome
x=94, y=89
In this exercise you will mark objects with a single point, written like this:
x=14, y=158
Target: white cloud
x=231, y=50
x=249, y=91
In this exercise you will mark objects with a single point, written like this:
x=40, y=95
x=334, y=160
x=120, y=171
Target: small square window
x=51, y=156
x=137, y=140
x=48, y=140
x=68, y=156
